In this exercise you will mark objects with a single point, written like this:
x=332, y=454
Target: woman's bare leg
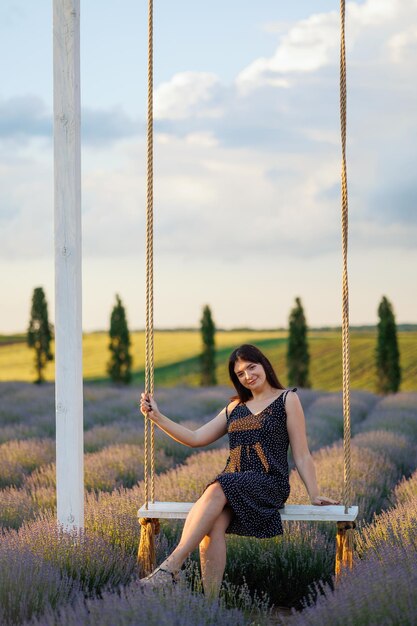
x=198, y=524
x=213, y=554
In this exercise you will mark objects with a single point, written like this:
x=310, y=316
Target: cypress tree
x=120, y=363
x=208, y=360
x=298, y=358
x=387, y=353
x=39, y=334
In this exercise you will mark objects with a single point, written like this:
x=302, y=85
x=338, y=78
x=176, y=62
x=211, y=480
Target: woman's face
x=250, y=375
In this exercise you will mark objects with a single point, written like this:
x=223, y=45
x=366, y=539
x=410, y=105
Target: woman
x=262, y=420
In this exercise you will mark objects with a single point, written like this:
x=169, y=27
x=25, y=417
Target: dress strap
x=227, y=412
x=284, y=395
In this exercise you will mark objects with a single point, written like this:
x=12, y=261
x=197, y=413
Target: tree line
x=119, y=366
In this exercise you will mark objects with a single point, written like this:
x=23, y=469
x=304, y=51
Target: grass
x=326, y=361
x=171, y=348
x=177, y=360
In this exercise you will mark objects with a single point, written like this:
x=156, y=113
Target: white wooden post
x=68, y=326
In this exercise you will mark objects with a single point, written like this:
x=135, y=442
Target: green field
x=171, y=348
x=177, y=361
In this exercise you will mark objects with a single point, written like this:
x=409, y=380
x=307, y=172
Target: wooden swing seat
x=304, y=512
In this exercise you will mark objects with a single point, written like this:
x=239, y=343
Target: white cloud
x=403, y=45
x=206, y=139
x=208, y=196
x=313, y=43
x=26, y=201
x=245, y=183
x=188, y=94
x=277, y=27
x=309, y=45
x=267, y=170
x=374, y=13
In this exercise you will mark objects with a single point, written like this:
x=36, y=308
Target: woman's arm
x=298, y=440
x=204, y=435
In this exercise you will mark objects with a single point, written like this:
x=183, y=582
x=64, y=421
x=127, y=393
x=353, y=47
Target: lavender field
x=48, y=577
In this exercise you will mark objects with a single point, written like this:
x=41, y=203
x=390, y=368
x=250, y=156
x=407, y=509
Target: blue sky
x=247, y=159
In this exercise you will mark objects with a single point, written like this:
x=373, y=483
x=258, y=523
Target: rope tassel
x=149, y=528
x=345, y=542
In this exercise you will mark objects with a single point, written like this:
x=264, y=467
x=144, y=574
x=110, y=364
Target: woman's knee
x=215, y=491
x=218, y=530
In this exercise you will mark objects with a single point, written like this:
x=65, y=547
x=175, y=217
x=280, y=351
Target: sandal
x=159, y=577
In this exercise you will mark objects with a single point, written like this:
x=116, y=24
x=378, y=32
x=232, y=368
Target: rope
x=149, y=450
x=347, y=483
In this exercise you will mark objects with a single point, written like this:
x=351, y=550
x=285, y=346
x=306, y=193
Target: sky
x=247, y=160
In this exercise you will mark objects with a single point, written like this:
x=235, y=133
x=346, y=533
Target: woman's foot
x=160, y=577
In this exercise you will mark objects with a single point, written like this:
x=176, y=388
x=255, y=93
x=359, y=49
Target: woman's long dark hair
x=250, y=353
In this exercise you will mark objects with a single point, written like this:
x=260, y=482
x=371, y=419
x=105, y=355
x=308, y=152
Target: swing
x=150, y=513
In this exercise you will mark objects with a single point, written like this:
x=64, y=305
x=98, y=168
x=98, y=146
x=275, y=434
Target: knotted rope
x=149, y=331
x=347, y=483
x=149, y=526
x=345, y=530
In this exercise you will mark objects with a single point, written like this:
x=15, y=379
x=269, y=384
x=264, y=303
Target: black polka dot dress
x=255, y=480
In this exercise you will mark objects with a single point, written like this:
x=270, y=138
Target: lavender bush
x=114, y=517
x=38, y=494
x=396, y=413
x=99, y=437
x=79, y=555
x=30, y=405
x=397, y=448
x=163, y=607
x=395, y=527
x=185, y=403
x=29, y=585
x=324, y=417
x=406, y=490
x=373, y=477
x=16, y=506
x=119, y=465
x=19, y=458
x=42, y=477
x=103, y=557
x=381, y=587
x=187, y=481
x=380, y=591
x=17, y=432
x=282, y=567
